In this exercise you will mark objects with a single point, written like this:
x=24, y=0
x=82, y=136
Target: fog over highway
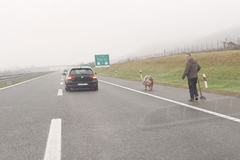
x=49, y=32
x=40, y=120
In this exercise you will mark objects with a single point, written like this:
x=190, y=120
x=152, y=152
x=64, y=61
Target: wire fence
x=207, y=47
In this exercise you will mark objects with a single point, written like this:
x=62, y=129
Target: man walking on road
x=191, y=71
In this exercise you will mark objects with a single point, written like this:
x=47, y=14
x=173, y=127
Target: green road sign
x=102, y=60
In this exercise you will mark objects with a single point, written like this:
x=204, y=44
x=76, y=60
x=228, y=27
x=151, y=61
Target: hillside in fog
x=232, y=33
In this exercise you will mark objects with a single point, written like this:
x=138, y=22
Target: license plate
x=82, y=84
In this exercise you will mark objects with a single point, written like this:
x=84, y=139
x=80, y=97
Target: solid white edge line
x=21, y=83
x=60, y=92
x=53, y=148
x=179, y=103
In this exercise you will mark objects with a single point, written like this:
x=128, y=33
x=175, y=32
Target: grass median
x=222, y=70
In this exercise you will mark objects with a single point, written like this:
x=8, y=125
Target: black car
x=80, y=78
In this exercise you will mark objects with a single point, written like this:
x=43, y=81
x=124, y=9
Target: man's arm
x=186, y=71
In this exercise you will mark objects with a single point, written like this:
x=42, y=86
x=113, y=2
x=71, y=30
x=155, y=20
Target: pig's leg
x=150, y=87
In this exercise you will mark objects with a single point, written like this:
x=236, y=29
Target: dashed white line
x=60, y=92
x=53, y=148
x=176, y=102
x=61, y=83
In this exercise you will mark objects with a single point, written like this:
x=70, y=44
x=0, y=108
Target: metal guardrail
x=22, y=75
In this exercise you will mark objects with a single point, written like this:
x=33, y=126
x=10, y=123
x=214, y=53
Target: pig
x=148, y=82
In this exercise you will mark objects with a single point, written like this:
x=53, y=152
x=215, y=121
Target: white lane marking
x=21, y=82
x=61, y=83
x=53, y=148
x=179, y=103
x=60, y=92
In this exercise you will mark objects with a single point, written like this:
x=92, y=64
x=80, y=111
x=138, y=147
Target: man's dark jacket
x=192, y=68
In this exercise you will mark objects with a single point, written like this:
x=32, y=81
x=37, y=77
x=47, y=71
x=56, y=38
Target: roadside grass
x=221, y=68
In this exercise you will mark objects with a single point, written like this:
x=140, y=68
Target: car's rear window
x=81, y=71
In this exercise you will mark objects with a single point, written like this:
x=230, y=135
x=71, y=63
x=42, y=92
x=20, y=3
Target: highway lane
x=136, y=126
x=115, y=123
x=221, y=104
x=26, y=111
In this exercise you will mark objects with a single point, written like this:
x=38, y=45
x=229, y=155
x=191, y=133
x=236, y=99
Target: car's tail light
x=70, y=77
x=93, y=77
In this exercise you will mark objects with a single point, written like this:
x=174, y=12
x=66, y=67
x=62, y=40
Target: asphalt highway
x=121, y=121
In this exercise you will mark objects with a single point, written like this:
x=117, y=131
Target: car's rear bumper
x=85, y=85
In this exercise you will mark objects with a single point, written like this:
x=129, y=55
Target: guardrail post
x=205, y=81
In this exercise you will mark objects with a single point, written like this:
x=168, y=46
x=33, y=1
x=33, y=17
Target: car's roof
x=85, y=67
x=81, y=68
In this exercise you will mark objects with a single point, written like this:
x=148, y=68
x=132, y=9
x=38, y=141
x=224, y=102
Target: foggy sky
x=55, y=32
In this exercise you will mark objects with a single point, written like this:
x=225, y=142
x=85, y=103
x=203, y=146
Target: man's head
x=188, y=57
